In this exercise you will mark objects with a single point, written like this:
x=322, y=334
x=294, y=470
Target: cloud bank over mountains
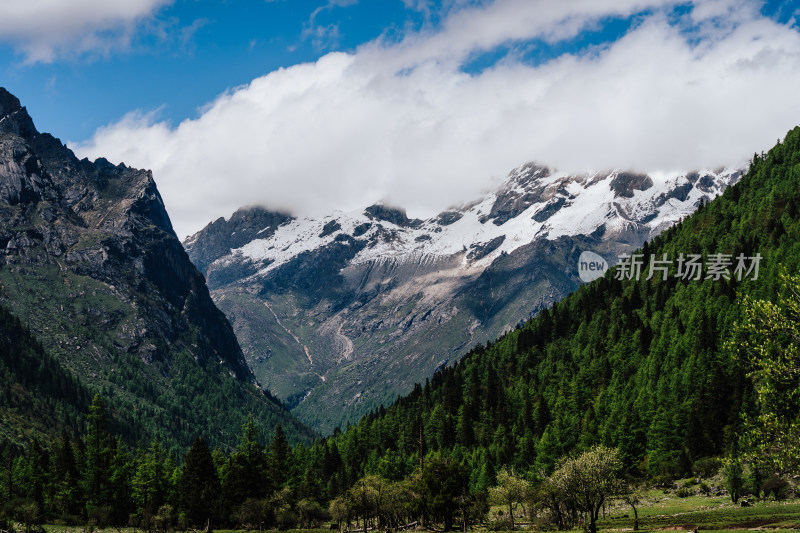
x=415, y=122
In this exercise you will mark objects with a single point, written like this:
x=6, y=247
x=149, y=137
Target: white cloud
x=45, y=29
x=325, y=37
x=402, y=123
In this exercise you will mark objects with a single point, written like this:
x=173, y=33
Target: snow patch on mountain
x=533, y=203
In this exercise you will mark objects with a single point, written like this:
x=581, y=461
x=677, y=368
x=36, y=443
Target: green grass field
x=657, y=512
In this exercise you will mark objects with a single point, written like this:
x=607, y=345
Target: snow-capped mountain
x=341, y=313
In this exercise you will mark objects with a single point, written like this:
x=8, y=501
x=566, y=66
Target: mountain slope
x=91, y=265
x=636, y=364
x=38, y=397
x=339, y=314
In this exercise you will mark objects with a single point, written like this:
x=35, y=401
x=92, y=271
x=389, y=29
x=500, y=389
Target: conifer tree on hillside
x=199, y=486
x=98, y=455
x=279, y=451
x=247, y=470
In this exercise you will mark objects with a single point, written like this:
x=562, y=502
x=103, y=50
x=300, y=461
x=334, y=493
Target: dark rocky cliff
x=89, y=261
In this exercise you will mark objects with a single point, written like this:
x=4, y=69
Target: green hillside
x=637, y=365
x=625, y=379
x=38, y=397
x=91, y=267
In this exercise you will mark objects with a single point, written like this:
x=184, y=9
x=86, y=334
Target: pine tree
x=464, y=431
x=122, y=470
x=64, y=478
x=441, y=482
x=98, y=455
x=38, y=461
x=279, y=457
x=246, y=475
x=7, y=465
x=150, y=481
x=199, y=487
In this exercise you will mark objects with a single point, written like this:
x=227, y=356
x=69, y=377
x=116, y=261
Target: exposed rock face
x=89, y=261
x=520, y=193
x=625, y=183
x=223, y=235
x=339, y=314
x=449, y=217
x=330, y=228
x=480, y=250
x=397, y=217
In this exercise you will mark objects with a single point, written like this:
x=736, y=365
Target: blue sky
x=184, y=54
x=319, y=105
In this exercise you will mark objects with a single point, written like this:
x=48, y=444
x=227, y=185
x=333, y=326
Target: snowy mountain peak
x=341, y=312
x=533, y=203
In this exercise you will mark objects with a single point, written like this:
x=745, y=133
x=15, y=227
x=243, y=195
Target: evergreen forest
x=647, y=380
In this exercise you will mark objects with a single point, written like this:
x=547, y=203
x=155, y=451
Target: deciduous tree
x=769, y=339
x=588, y=480
x=510, y=491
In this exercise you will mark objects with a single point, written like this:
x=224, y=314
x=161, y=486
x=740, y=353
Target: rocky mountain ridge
x=90, y=263
x=340, y=313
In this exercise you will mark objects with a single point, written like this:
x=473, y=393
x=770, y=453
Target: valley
x=366, y=370
x=362, y=305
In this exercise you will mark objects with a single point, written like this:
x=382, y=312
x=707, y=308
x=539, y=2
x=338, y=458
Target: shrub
x=663, y=481
x=254, y=513
x=707, y=467
x=777, y=486
x=166, y=518
x=684, y=493
x=502, y=523
x=26, y=511
x=99, y=517
x=5, y=525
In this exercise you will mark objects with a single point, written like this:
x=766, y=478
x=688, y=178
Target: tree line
x=96, y=480
x=673, y=374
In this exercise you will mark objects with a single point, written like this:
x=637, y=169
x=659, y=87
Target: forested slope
x=91, y=267
x=648, y=368
x=38, y=397
x=634, y=364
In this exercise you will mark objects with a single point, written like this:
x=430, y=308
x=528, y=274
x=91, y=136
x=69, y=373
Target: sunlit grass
x=658, y=512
